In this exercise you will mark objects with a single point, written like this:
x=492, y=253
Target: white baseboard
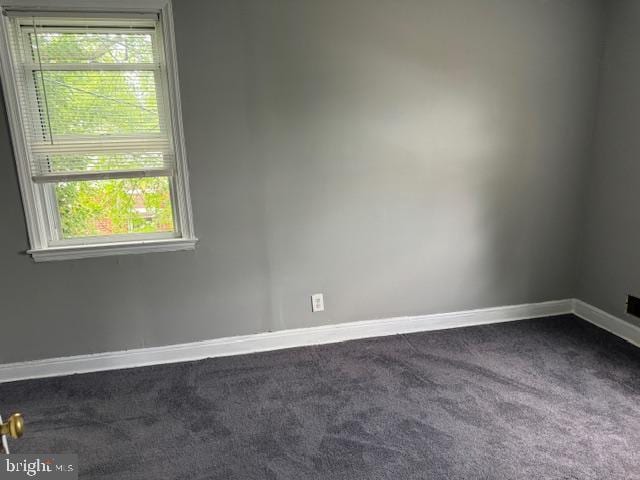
x=608, y=322
x=261, y=342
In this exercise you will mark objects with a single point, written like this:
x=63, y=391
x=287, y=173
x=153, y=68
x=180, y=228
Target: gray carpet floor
x=549, y=398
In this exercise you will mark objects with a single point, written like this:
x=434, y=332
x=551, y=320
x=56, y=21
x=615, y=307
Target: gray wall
x=610, y=264
x=401, y=157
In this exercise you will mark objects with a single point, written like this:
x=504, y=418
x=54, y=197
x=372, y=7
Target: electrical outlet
x=317, y=302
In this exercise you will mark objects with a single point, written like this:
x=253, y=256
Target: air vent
x=633, y=306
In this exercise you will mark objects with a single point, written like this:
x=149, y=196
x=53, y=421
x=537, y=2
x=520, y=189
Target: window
x=94, y=112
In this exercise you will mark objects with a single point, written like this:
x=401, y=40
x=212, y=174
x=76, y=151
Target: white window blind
x=119, y=126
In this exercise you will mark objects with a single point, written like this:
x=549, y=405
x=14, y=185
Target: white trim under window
x=49, y=157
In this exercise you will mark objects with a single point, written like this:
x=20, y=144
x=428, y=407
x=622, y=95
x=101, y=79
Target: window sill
x=108, y=249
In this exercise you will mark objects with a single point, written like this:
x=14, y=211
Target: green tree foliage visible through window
x=102, y=103
x=109, y=207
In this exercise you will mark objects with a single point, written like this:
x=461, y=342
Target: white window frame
x=37, y=216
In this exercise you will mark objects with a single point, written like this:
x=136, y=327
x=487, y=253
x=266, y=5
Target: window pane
x=98, y=102
x=81, y=47
x=113, y=207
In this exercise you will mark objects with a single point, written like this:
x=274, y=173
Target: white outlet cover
x=317, y=302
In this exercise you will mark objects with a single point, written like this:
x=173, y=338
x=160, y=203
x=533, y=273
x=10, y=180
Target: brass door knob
x=14, y=426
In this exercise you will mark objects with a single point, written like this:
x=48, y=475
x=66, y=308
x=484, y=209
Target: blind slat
x=103, y=146
x=71, y=16
x=72, y=177
x=97, y=67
